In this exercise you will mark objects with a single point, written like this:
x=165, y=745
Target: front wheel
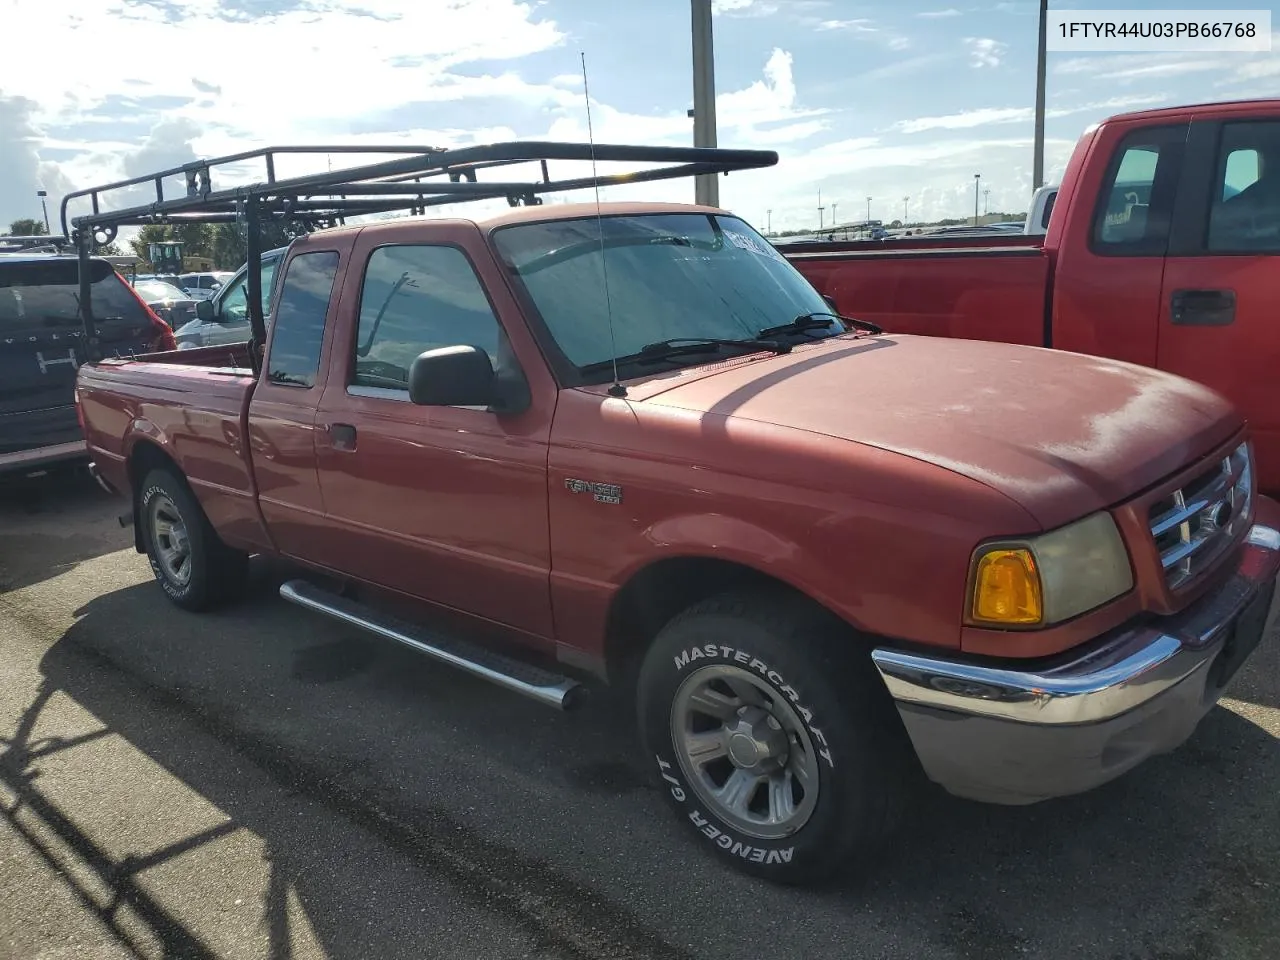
x=777, y=744
x=195, y=569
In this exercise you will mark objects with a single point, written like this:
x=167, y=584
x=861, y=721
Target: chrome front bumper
x=1017, y=736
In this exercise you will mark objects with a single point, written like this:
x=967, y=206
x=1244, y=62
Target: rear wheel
x=192, y=565
x=777, y=743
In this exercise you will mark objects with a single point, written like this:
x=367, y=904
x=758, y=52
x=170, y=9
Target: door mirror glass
x=204, y=310
x=458, y=376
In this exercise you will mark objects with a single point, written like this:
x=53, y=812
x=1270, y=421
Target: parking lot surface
x=264, y=783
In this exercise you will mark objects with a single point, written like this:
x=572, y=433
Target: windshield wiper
x=687, y=346
x=814, y=321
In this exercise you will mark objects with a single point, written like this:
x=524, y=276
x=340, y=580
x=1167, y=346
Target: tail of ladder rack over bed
x=410, y=180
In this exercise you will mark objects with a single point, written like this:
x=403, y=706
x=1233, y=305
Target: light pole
x=706, y=186
x=977, y=182
x=1037, y=162
x=42, y=194
x=820, y=208
x=986, y=201
x=906, y=204
x=868, y=208
x=833, y=212
x=768, y=228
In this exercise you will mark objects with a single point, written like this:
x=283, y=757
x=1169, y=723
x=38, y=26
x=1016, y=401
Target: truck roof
x=532, y=214
x=1215, y=108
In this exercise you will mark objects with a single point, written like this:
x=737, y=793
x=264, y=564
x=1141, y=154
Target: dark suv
x=41, y=347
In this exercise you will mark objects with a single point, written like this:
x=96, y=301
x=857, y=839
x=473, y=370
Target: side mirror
x=204, y=310
x=460, y=376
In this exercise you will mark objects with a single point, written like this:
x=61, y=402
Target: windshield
x=670, y=276
x=153, y=290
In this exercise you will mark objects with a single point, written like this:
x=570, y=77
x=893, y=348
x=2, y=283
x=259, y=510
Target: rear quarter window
x=297, y=337
x=1135, y=209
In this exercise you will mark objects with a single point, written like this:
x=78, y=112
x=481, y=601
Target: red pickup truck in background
x=630, y=440
x=1163, y=249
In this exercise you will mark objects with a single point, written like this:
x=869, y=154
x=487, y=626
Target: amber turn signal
x=1006, y=589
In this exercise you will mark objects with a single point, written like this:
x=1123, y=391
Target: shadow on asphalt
x=523, y=891
x=1180, y=860
x=80, y=512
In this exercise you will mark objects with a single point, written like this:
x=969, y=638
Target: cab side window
x=1245, y=215
x=1136, y=205
x=298, y=335
x=417, y=298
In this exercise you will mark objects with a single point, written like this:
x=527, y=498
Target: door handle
x=1203, y=308
x=341, y=435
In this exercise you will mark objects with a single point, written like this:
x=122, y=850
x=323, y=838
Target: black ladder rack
x=410, y=180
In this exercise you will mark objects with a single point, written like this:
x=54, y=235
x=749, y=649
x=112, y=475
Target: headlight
x=1047, y=579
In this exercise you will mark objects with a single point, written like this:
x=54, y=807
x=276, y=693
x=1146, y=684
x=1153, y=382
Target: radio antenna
x=617, y=390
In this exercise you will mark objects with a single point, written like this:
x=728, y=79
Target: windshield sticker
x=746, y=242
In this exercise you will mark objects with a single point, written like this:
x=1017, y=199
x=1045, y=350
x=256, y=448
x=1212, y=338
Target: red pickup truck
x=1163, y=249
x=629, y=441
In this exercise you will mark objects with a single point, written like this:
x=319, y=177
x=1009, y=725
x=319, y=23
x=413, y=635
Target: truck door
x=1106, y=289
x=1220, y=303
x=283, y=410
x=445, y=504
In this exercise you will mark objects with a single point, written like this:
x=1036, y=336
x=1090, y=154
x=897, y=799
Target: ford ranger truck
x=820, y=558
x=1162, y=249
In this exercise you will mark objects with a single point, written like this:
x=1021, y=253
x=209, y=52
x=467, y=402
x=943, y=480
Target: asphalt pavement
x=261, y=782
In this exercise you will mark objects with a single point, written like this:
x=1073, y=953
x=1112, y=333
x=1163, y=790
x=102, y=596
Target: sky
x=885, y=99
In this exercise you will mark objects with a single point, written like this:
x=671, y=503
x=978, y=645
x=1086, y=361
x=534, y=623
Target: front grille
x=1194, y=525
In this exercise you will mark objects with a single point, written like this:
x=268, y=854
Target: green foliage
x=223, y=243
x=229, y=249
x=27, y=227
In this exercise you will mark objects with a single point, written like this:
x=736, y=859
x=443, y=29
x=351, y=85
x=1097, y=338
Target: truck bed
x=978, y=288
x=190, y=406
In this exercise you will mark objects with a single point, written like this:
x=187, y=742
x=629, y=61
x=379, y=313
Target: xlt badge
x=600, y=492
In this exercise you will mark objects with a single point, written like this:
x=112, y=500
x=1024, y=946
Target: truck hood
x=1060, y=433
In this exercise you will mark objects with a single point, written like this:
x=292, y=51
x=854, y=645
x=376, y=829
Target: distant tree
x=229, y=250
x=151, y=233
x=27, y=227
x=108, y=250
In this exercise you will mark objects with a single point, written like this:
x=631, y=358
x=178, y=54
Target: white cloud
x=984, y=51
x=938, y=14
x=378, y=71
x=1248, y=72
x=862, y=28
x=749, y=8
x=22, y=172
x=766, y=111
x=394, y=47
x=985, y=116
x=1258, y=70
x=861, y=25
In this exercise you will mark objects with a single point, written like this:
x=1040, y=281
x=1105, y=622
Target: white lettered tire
x=775, y=740
x=193, y=566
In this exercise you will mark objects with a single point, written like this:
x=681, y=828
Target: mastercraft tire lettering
x=774, y=744
x=195, y=569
